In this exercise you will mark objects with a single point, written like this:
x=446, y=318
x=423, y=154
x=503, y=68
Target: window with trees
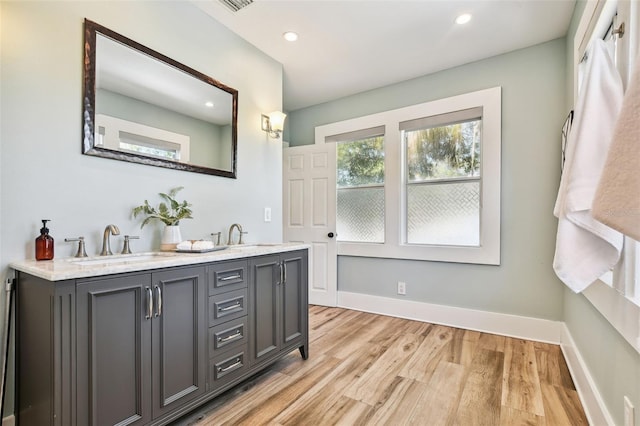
x=421, y=182
x=443, y=178
x=360, y=189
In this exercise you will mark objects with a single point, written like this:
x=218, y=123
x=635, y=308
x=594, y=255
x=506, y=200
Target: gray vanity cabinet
x=138, y=333
x=278, y=305
x=145, y=347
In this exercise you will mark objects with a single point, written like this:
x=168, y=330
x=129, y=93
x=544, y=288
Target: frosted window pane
x=445, y=213
x=360, y=215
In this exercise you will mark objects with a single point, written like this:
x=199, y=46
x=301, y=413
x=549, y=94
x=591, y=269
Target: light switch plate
x=267, y=214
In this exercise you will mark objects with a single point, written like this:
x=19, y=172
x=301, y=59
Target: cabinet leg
x=304, y=351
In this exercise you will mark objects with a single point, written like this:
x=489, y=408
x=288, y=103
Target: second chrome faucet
x=230, y=240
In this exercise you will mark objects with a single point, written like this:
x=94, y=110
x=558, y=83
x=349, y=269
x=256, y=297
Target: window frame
x=488, y=251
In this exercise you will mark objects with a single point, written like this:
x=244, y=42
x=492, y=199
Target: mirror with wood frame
x=144, y=107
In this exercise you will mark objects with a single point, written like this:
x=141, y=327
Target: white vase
x=170, y=238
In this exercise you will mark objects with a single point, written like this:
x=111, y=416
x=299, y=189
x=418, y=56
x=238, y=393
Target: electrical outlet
x=267, y=214
x=402, y=287
x=629, y=415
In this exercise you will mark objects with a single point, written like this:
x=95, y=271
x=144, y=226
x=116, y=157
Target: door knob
x=330, y=235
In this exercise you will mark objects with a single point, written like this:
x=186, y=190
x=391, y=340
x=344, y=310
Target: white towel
x=617, y=201
x=586, y=248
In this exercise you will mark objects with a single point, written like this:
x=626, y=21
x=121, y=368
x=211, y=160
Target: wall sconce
x=273, y=123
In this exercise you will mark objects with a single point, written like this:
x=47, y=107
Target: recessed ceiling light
x=209, y=104
x=463, y=19
x=290, y=36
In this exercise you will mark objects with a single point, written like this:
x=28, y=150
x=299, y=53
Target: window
x=421, y=182
x=360, y=190
x=443, y=178
x=123, y=135
x=148, y=146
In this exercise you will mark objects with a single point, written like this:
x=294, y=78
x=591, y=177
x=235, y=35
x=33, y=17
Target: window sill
x=623, y=314
x=487, y=255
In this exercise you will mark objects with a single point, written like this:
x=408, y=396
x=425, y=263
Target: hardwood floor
x=367, y=369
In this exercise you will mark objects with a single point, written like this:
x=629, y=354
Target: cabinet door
x=294, y=310
x=114, y=351
x=178, y=337
x=264, y=284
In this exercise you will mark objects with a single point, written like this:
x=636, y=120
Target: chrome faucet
x=235, y=225
x=106, y=243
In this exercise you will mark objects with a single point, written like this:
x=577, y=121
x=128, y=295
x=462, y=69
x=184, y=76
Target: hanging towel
x=586, y=248
x=617, y=201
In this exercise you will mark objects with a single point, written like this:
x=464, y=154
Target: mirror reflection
x=144, y=107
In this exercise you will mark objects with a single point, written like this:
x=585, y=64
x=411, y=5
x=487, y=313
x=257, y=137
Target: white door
x=309, y=216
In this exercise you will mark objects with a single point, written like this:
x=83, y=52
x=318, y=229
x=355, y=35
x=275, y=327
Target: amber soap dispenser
x=44, y=243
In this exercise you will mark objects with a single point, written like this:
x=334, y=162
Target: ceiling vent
x=236, y=5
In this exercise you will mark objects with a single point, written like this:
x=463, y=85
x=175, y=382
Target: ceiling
x=350, y=46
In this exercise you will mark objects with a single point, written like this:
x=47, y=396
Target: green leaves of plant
x=170, y=212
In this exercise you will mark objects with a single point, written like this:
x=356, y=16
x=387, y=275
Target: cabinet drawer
x=227, y=367
x=228, y=335
x=227, y=276
x=227, y=306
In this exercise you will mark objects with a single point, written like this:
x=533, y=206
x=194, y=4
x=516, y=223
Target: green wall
x=533, y=110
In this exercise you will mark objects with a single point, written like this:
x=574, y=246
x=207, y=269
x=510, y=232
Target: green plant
x=170, y=212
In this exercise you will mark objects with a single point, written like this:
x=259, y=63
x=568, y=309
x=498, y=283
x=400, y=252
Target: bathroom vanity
x=142, y=340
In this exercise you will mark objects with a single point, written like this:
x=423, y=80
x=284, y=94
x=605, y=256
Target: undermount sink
x=251, y=246
x=116, y=259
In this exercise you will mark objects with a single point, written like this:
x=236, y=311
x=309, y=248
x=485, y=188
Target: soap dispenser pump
x=44, y=243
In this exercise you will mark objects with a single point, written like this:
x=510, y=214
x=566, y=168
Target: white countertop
x=71, y=268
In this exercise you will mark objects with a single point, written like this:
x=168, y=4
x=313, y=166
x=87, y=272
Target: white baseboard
x=592, y=402
x=9, y=421
x=536, y=329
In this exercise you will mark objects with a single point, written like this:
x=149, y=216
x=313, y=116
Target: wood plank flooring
x=367, y=369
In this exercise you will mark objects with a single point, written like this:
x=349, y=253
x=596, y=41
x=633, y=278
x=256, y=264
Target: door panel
x=263, y=294
x=296, y=203
x=309, y=198
x=114, y=351
x=292, y=302
x=179, y=336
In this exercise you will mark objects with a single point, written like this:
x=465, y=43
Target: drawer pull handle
x=230, y=277
x=230, y=337
x=230, y=307
x=230, y=367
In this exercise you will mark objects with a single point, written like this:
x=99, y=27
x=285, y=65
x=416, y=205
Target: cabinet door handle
x=281, y=278
x=284, y=267
x=230, y=307
x=158, y=301
x=230, y=277
x=234, y=365
x=230, y=337
x=149, y=303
